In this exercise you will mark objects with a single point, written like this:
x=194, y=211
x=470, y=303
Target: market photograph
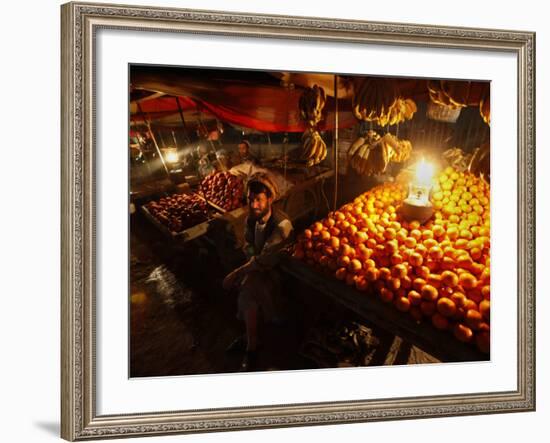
x=304, y=221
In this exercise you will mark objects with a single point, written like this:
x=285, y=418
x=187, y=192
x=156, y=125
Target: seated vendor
x=266, y=231
x=244, y=153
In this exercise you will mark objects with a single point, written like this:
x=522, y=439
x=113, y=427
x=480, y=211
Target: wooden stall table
x=440, y=344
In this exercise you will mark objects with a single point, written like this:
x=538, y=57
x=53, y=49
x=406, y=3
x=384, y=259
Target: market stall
x=385, y=180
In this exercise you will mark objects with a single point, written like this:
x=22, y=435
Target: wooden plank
x=440, y=344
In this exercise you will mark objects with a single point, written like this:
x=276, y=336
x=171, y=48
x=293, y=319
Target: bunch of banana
x=314, y=149
x=485, y=107
x=374, y=98
x=457, y=158
x=402, y=151
x=311, y=104
x=370, y=154
x=403, y=109
x=453, y=94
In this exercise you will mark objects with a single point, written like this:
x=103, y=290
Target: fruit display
x=371, y=153
x=314, y=149
x=452, y=94
x=179, y=211
x=378, y=100
x=437, y=272
x=224, y=190
x=311, y=104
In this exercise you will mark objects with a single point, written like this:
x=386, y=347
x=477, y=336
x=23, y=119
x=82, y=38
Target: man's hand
x=232, y=279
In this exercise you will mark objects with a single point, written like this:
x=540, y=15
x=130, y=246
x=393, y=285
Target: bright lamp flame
x=424, y=172
x=171, y=155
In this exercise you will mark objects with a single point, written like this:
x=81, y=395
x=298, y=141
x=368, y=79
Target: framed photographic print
x=282, y=221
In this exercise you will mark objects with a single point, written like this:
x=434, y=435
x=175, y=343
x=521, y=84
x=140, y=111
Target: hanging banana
x=311, y=104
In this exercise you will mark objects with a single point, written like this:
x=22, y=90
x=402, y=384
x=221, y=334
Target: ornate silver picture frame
x=80, y=22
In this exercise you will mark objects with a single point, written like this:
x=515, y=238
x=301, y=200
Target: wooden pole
x=151, y=133
x=183, y=121
x=335, y=141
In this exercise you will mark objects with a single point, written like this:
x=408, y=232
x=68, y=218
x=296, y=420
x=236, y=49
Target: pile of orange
x=438, y=271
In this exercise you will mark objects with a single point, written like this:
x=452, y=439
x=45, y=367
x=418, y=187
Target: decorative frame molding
x=79, y=23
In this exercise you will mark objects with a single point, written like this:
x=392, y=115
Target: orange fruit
x=446, y=307
x=439, y=321
x=385, y=274
x=467, y=281
x=399, y=271
x=421, y=249
x=341, y=274
x=372, y=274
x=459, y=299
x=452, y=233
x=433, y=265
x=483, y=341
x=435, y=253
x=370, y=263
x=410, y=242
x=430, y=243
x=386, y=295
x=486, y=292
x=391, y=247
x=418, y=284
x=449, y=278
x=434, y=280
x=427, y=233
x=485, y=309
x=361, y=284
x=422, y=271
x=438, y=231
x=317, y=227
x=475, y=295
x=394, y=284
x=354, y=266
x=371, y=243
x=343, y=261
x=350, y=279
x=463, y=333
x=470, y=304
x=402, y=304
x=390, y=234
x=415, y=259
x=396, y=259
x=345, y=249
x=406, y=282
x=414, y=297
x=473, y=319
x=428, y=308
x=428, y=292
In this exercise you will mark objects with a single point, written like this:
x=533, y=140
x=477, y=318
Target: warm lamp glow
x=424, y=173
x=171, y=155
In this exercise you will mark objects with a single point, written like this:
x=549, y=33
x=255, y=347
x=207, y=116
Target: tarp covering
x=251, y=99
x=263, y=107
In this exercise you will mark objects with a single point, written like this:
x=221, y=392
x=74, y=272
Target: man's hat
x=264, y=179
x=245, y=142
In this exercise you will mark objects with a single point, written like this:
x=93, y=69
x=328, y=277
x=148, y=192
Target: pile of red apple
x=224, y=190
x=179, y=211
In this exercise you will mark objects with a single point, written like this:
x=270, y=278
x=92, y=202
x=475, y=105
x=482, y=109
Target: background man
x=244, y=152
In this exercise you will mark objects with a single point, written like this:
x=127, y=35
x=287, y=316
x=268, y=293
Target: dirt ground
x=182, y=321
